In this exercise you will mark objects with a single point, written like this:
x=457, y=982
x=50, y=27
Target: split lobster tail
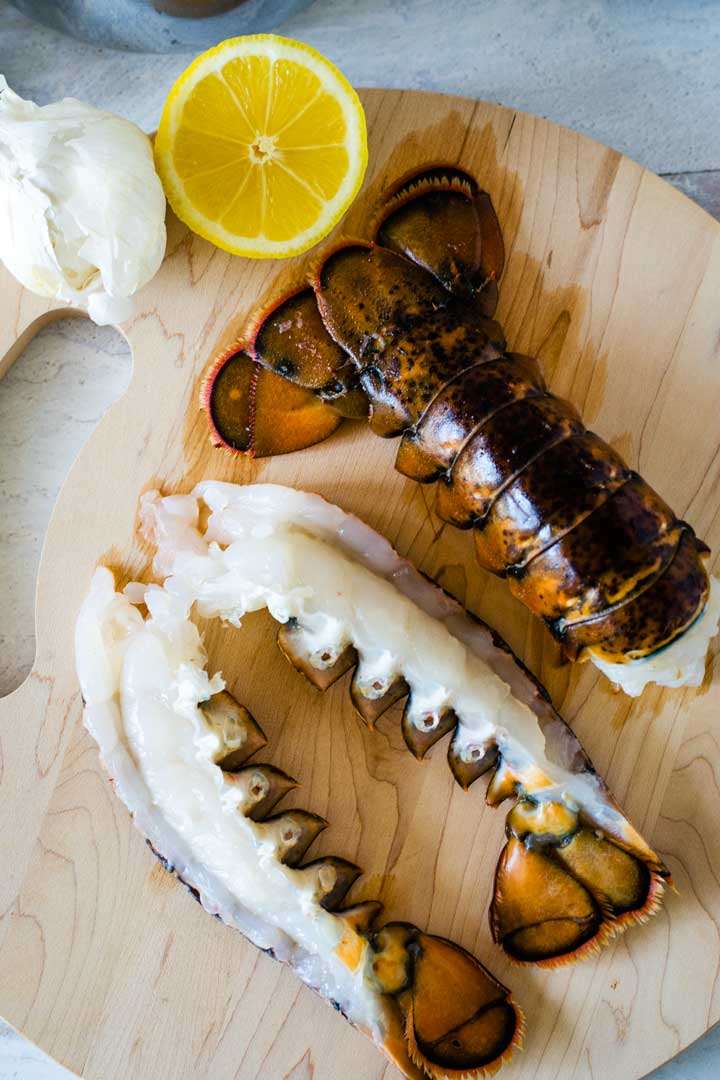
x=573, y=872
x=570, y=877
x=445, y=1012
x=184, y=769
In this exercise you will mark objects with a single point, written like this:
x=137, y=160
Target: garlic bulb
x=82, y=210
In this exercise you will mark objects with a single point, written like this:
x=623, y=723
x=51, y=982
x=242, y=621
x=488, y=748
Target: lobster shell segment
x=638, y=535
x=256, y=412
x=405, y=334
x=639, y=626
x=238, y=735
x=261, y=788
x=372, y=698
x=498, y=452
x=443, y=221
x=322, y=668
x=429, y=450
x=290, y=340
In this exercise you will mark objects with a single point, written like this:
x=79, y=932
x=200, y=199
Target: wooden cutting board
x=613, y=278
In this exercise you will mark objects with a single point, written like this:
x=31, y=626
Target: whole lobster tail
x=585, y=542
x=210, y=811
x=401, y=328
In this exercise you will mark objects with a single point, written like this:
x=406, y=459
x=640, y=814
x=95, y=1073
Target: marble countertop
x=641, y=76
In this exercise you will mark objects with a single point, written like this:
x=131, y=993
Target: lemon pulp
x=262, y=146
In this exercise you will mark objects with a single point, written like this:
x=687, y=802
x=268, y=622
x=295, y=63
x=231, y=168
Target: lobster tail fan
x=442, y=221
x=257, y=412
x=563, y=889
x=459, y=1020
x=289, y=338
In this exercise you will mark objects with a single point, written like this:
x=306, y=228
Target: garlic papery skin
x=82, y=210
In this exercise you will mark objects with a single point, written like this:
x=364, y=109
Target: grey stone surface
x=640, y=75
x=643, y=76
x=136, y=24
x=50, y=402
x=20, y=1060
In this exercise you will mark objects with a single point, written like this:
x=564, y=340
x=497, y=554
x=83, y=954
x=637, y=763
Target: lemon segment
x=262, y=146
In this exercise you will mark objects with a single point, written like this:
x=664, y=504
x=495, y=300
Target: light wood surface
x=105, y=961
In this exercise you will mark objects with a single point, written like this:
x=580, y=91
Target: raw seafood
x=176, y=744
x=574, y=871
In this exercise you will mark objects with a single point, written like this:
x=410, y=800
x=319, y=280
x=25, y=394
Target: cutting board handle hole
x=50, y=401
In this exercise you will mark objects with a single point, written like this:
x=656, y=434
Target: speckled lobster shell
x=585, y=543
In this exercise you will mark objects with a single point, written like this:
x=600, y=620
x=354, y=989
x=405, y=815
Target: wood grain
x=107, y=963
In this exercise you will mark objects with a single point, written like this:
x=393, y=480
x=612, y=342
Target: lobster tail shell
x=583, y=540
x=444, y=222
x=653, y=618
x=290, y=339
x=401, y=328
x=430, y=448
x=562, y=888
x=459, y=1020
x=406, y=335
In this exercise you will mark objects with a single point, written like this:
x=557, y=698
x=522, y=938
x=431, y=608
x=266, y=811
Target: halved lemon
x=261, y=146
